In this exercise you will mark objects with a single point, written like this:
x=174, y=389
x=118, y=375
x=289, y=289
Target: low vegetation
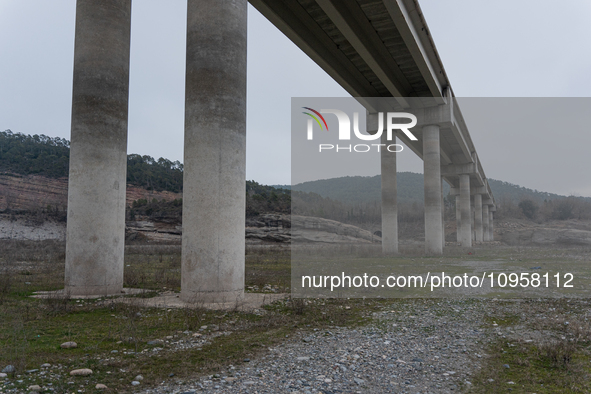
x=121, y=340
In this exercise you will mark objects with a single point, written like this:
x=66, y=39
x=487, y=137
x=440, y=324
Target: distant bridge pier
x=491, y=236
x=442, y=215
x=485, y=217
x=389, y=195
x=478, y=210
x=466, y=215
x=214, y=178
x=458, y=217
x=95, y=233
x=432, y=179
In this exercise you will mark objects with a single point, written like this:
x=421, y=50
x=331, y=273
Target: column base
x=213, y=297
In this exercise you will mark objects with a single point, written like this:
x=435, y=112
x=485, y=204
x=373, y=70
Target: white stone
x=69, y=345
x=81, y=372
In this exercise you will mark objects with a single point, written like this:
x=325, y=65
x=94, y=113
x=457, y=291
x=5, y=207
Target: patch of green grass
x=113, y=337
x=556, y=360
x=532, y=369
x=507, y=320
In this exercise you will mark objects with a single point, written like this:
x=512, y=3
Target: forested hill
x=50, y=157
x=365, y=189
x=359, y=189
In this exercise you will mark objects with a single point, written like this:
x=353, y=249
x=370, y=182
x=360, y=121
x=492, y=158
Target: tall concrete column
x=485, y=223
x=491, y=234
x=98, y=151
x=478, y=217
x=466, y=215
x=432, y=170
x=472, y=219
x=389, y=201
x=458, y=218
x=442, y=216
x=214, y=181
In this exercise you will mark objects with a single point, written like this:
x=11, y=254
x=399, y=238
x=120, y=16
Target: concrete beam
x=291, y=19
x=401, y=17
x=454, y=191
x=95, y=236
x=457, y=169
x=389, y=201
x=215, y=152
x=349, y=18
x=432, y=178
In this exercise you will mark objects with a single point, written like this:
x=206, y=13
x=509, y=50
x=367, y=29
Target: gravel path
x=410, y=347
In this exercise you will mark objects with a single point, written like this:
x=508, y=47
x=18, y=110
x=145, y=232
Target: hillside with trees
x=50, y=157
x=354, y=200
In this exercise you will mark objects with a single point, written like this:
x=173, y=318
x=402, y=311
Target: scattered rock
x=100, y=386
x=359, y=381
x=81, y=372
x=36, y=388
x=139, y=378
x=3, y=375
x=303, y=358
x=135, y=383
x=32, y=370
x=46, y=365
x=69, y=345
x=506, y=366
x=9, y=369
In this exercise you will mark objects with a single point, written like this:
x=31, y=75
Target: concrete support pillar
x=466, y=215
x=389, y=201
x=432, y=170
x=491, y=234
x=478, y=217
x=472, y=220
x=458, y=218
x=215, y=152
x=98, y=152
x=442, y=216
x=485, y=223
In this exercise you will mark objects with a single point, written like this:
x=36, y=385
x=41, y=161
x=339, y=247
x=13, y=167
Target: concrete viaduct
x=373, y=48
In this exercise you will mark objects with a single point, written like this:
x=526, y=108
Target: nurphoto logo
x=344, y=131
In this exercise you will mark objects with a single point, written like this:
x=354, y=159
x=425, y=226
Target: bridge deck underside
x=360, y=46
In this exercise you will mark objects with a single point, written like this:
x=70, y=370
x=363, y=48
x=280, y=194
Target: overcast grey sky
x=505, y=48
